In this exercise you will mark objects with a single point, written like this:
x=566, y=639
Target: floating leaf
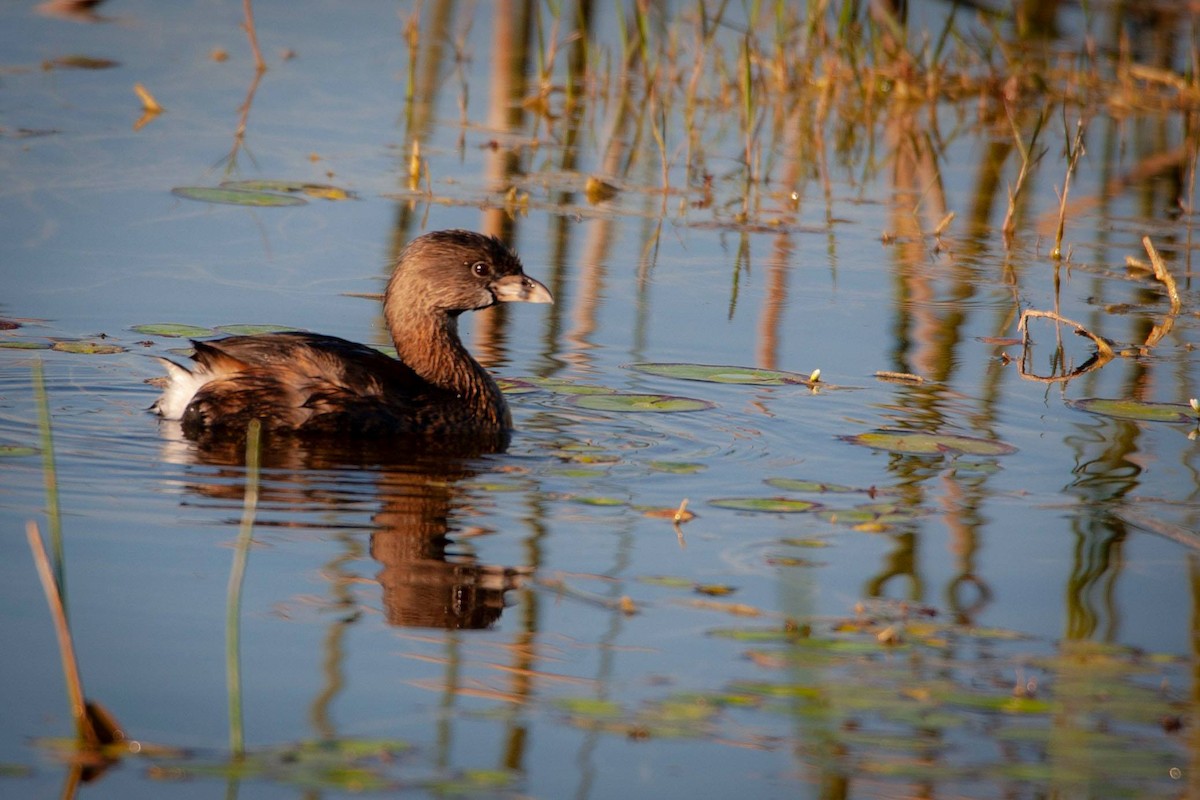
x=597, y=191
x=87, y=348
x=18, y=344
x=590, y=707
x=777, y=505
x=795, y=485
x=669, y=581
x=676, y=514
x=253, y=329
x=81, y=62
x=677, y=467
x=722, y=374
x=16, y=451
x=599, y=501
x=882, y=513
x=1136, y=410
x=921, y=443
x=795, y=542
x=321, y=191
x=172, y=330
x=565, y=386
x=714, y=589
x=237, y=197
x=512, y=385
x=616, y=401
x=755, y=634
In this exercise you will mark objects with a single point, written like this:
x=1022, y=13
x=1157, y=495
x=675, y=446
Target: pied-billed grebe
x=312, y=384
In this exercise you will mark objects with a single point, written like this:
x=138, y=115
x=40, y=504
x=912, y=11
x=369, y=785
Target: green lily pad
x=18, y=344
x=669, y=581
x=565, y=386
x=323, y=191
x=512, y=385
x=16, y=451
x=921, y=443
x=173, y=330
x=589, y=706
x=87, y=348
x=237, y=197
x=883, y=513
x=776, y=505
x=677, y=467
x=599, y=501
x=797, y=485
x=662, y=403
x=252, y=329
x=1136, y=410
x=711, y=373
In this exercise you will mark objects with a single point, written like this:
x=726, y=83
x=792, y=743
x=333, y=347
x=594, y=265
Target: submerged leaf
x=921, y=443
x=237, y=197
x=1136, y=410
x=662, y=403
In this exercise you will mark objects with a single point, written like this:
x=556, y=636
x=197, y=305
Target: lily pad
x=711, y=373
x=17, y=344
x=921, y=443
x=1136, y=410
x=883, y=513
x=777, y=505
x=16, y=451
x=321, y=191
x=172, y=329
x=87, y=348
x=237, y=197
x=252, y=329
x=513, y=385
x=565, y=386
x=661, y=403
x=678, y=467
x=797, y=485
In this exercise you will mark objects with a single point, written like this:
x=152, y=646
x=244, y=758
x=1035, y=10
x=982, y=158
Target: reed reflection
x=427, y=578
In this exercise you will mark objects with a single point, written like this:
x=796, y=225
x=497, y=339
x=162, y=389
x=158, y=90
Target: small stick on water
x=681, y=516
x=1161, y=273
x=1102, y=345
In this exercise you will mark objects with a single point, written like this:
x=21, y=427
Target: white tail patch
x=182, y=385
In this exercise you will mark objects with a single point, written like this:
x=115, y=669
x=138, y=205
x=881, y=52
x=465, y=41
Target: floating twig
x=1104, y=351
x=1161, y=273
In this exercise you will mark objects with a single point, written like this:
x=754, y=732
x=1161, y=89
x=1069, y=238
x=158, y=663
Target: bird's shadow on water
x=417, y=495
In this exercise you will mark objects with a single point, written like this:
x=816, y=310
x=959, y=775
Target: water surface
x=530, y=623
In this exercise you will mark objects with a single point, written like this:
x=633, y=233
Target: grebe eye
x=480, y=268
